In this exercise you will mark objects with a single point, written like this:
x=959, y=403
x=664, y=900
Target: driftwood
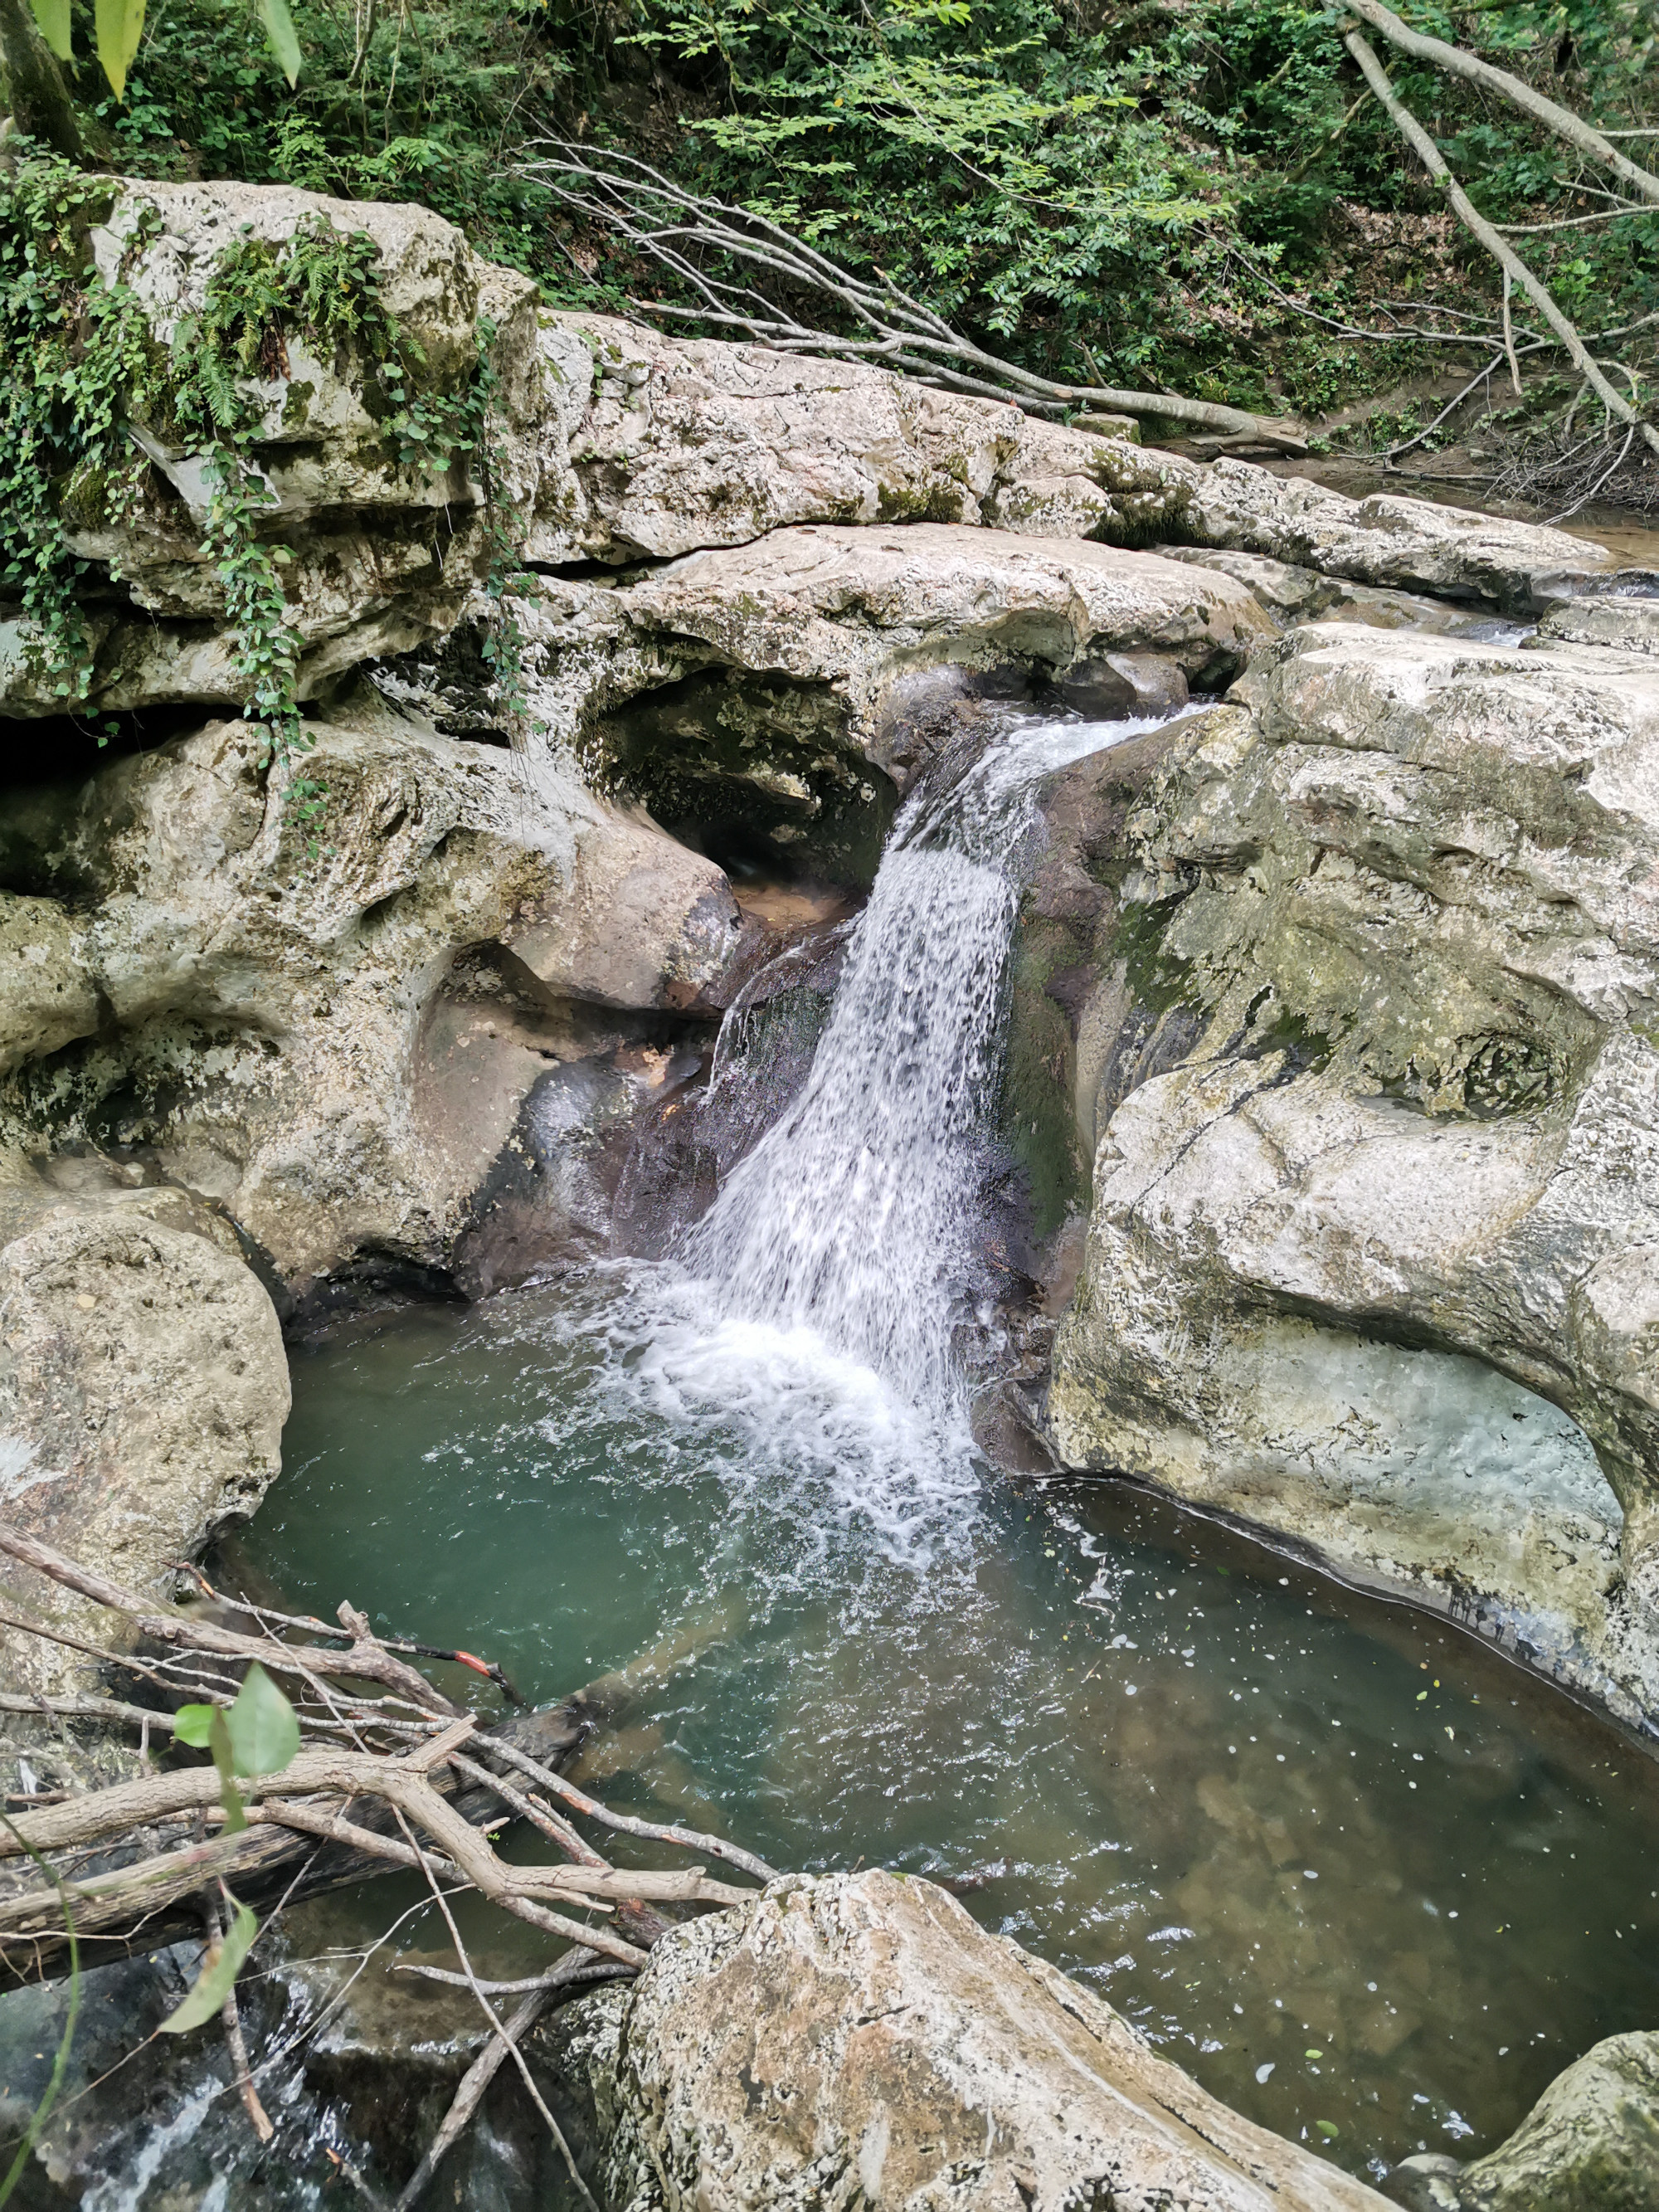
x=681, y=232
x=396, y=1778
x=414, y=1785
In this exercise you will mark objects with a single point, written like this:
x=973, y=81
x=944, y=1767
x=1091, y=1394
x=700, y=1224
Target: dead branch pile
x=695, y=240
x=746, y=275
x=390, y=1773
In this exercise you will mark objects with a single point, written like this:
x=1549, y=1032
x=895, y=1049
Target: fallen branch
x=691, y=1839
x=1476, y=224
x=414, y=1785
x=365, y=1660
x=1458, y=62
x=671, y=226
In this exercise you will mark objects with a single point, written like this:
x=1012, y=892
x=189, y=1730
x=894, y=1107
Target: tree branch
x=667, y=224
x=364, y=1662
x=1458, y=62
x=1476, y=224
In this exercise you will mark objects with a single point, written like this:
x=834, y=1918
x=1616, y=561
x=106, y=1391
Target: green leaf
x=120, y=25
x=279, y=29
x=192, y=1725
x=1328, y=2129
x=264, y=1735
x=217, y=1978
x=53, y=17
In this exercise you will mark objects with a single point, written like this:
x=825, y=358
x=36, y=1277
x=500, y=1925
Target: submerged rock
x=858, y=2039
x=1589, y=2144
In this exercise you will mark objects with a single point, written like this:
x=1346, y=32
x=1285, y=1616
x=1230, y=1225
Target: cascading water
x=1329, y=1853
x=852, y=1216
x=808, y=1321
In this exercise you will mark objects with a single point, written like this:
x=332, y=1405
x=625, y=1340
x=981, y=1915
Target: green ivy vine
x=81, y=365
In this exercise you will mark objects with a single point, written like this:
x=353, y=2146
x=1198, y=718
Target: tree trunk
x=31, y=84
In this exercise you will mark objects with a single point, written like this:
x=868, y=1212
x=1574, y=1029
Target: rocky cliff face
x=1370, y=1261
x=1350, y=994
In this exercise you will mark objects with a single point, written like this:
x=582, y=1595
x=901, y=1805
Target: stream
x=1371, y=1884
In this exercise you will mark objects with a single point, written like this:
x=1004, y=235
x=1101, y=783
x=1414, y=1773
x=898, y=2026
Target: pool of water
x=1338, y=1859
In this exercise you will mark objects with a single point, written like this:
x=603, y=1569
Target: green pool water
x=1353, y=1870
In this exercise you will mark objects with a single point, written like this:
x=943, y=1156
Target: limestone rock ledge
x=617, y=444
x=1372, y=1256
x=292, y=1035
x=858, y=2039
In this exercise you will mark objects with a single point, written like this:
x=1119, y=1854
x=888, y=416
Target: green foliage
x=1180, y=193
x=261, y=1734
x=118, y=26
x=1158, y=192
x=422, y=101
x=83, y=364
x=256, y=1734
x=73, y=349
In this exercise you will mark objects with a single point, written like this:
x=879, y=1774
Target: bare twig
x=688, y=1839
x=230, y=2019
x=555, y=1978
x=364, y=1662
x=1607, y=476
x=476, y=2081
x=679, y=231
x=530, y=2007
x=1509, y=335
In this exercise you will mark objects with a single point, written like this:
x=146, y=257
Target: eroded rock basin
x=1337, y=1858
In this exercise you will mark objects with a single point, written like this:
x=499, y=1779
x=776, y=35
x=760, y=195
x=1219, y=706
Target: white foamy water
x=806, y=1334
x=852, y=1216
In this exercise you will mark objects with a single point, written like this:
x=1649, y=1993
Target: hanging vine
x=83, y=364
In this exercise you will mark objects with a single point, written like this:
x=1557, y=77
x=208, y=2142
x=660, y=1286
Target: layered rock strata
x=1393, y=911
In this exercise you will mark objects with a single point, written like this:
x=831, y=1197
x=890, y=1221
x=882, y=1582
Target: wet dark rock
x=1071, y=987
x=1124, y=684
x=1426, y=2183
x=686, y=1148
x=1589, y=2144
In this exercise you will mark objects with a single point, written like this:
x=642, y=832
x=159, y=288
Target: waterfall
x=851, y=1218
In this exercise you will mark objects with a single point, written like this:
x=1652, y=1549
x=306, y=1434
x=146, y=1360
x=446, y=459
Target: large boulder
x=143, y=1386
x=1589, y=2144
x=331, y=1030
x=775, y=677
x=1385, y=540
x=857, y=2040
x=1373, y=1252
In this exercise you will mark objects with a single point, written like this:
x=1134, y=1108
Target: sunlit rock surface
x=283, y=1022
x=615, y=443
x=1589, y=2144
x=858, y=2039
